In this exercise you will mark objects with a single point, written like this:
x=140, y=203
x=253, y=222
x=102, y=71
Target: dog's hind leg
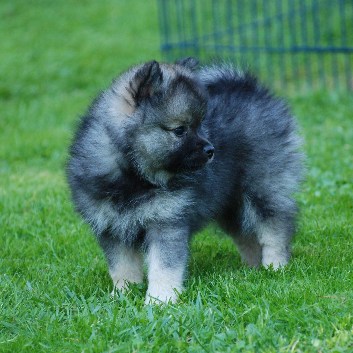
x=274, y=239
x=249, y=248
x=272, y=230
x=125, y=262
x=260, y=240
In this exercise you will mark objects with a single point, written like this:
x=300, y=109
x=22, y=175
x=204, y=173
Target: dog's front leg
x=125, y=262
x=167, y=255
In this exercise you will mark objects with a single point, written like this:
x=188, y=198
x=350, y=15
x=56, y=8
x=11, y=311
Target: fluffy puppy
x=164, y=150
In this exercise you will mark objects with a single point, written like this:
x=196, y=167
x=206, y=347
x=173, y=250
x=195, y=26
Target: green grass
x=54, y=284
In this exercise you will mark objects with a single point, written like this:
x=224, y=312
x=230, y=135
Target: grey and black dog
x=167, y=148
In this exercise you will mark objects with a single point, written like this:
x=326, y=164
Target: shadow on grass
x=213, y=252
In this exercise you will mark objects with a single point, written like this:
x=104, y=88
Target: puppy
x=167, y=148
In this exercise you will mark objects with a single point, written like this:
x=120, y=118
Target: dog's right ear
x=190, y=63
x=146, y=82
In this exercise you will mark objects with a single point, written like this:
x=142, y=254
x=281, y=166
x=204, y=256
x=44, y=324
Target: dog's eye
x=180, y=131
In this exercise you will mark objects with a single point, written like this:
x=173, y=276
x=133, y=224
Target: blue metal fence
x=291, y=43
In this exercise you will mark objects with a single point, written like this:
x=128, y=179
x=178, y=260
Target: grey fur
x=143, y=175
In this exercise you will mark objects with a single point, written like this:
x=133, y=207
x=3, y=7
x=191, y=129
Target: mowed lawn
x=54, y=283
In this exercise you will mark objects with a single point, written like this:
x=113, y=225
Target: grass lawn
x=54, y=283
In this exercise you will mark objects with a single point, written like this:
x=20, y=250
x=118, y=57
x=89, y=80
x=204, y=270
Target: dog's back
x=257, y=164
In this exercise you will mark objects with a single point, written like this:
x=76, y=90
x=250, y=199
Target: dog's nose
x=209, y=150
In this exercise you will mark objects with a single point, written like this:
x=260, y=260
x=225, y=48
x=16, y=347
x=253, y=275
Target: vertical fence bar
x=267, y=38
x=280, y=44
x=215, y=25
x=245, y=27
x=256, y=36
x=344, y=44
x=241, y=45
x=317, y=32
x=163, y=28
x=332, y=45
x=179, y=19
x=304, y=37
x=293, y=14
x=194, y=27
x=229, y=21
x=202, y=5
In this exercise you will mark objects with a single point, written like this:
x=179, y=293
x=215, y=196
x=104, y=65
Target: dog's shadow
x=213, y=252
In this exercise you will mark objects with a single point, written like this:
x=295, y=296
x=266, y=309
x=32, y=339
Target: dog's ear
x=146, y=81
x=190, y=63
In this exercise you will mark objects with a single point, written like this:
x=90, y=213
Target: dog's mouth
x=190, y=161
x=194, y=164
x=201, y=163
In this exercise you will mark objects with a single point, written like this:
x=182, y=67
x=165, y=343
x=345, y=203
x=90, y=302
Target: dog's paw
x=122, y=285
x=275, y=263
x=275, y=256
x=161, y=295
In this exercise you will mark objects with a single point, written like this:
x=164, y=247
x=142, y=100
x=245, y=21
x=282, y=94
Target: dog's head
x=164, y=107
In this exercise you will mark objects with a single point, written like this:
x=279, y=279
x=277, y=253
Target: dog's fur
x=143, y=174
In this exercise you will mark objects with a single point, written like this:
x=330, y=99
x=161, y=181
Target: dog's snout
x=209, y=150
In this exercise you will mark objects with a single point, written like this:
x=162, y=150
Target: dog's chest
x=141, y=200
x=129, y=205
x=131, y=191
x=137, y=211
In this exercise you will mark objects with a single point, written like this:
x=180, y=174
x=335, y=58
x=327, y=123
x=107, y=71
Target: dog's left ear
x=190, y=63
x=146, y=82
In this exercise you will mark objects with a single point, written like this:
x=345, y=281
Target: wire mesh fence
x=289, y=43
